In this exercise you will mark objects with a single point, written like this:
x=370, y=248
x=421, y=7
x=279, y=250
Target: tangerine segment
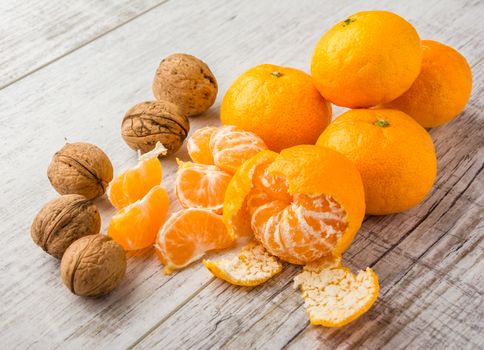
x=301, y=231
x=187, y=235
x=251, y=267
x=232, y=146
x=334, y=296
x=201, y=186
x=235, y=212
x=198, y=145
x=135, y=226
x=135, y=182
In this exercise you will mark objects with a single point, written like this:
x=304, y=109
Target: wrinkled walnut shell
x=93, y=266
x=64, y=220
x=187, y=82
x=147, y=123
x=80, y=168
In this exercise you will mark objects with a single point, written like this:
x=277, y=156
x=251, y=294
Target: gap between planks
x=68, y=52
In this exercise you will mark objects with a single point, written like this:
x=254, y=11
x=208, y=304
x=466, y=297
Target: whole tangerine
x=370, y=58
x=279, y=104
x=442, y=89
x=393, y=153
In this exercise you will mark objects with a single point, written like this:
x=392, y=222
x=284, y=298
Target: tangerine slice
x=251, y=267
x=187, y=235
x=333, y=295
x=135, y=226
x=201, y=186
x=135, y=182
x=232, y=146
x=198, y=145
x=303, y=204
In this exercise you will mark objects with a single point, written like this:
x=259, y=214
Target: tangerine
x=393, y=153
x=201, y=186
x=279, y=104
x=232, y=146
x=370, y=58
x=136, y=225
x=303, y=204
x=187, y=235
x=198, y=145
x=134, y=183
x=442, y=89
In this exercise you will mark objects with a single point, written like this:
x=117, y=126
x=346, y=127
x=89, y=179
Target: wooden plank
x=83, y=97
x=36, y=33
x=279, y=320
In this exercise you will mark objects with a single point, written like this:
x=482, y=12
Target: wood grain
x=36, y=33
x=429, y=259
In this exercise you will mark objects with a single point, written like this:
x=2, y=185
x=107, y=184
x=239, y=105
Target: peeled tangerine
x=251, y=267
x=135, y=182
x=135, y=226
x=333, y=295
x=302, y=204
x=201, y=186
x=187, y=235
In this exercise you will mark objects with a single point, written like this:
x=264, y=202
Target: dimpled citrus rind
x=334, y=296
x=251, y=267
x=369, y=58
x=317, y=170
x=397, y=161
x=238, y=189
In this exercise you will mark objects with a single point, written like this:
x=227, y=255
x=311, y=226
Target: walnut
x=187, y=82
x=93, y=265
x=80, y=168
x=64, y=220
x=150, y=122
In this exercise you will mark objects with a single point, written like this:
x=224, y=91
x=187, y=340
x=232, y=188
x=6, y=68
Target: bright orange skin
x=442, y=89
x=368, y=59
x=309, y=171
x=279, y=104
x=397, y=161
x=135, y=226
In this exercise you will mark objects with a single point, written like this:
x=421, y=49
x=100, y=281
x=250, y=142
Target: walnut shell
x=150, y=122
x=80, y=168
x=64, y=220
x=187, y=82
x=93, y=266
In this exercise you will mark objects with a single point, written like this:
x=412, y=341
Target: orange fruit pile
x=302, y=204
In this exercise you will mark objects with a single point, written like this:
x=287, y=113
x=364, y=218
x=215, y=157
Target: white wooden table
x=70, y=69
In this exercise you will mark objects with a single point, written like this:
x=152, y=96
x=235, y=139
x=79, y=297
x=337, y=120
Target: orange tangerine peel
x=333, y=295
x=187, y=235
x=303, y=204
x=201, y=186
x=134, y=183
x=136, y=225
x=251, y=267
x=235, y=213
x=319, y=170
